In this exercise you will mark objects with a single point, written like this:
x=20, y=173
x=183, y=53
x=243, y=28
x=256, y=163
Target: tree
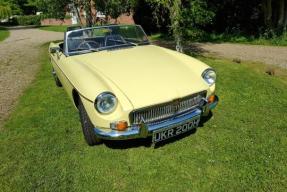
x=256, y=17
x=185, y=15
x=88, y=9
x=5, y=12
x=21, y=7
x=175, y=10
x=52, y=8
x=152, y=18
x=113, y=8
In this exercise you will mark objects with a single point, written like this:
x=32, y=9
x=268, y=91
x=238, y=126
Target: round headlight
x=106, y=103
x=209, y=76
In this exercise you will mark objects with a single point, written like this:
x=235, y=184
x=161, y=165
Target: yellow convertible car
x=126, y=88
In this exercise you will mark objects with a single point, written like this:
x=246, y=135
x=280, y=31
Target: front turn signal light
x=211, y=99
x=122, y=125
x=119, y=126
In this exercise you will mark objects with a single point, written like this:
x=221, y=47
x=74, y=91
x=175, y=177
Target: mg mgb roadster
x=126, y=88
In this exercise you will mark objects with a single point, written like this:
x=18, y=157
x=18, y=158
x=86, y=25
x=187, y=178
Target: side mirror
x=54, y=50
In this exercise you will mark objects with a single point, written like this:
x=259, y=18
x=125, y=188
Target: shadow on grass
x=134, y=143
x=20, y=27
x=205, y=119
x=190, y=48
x=126, y=144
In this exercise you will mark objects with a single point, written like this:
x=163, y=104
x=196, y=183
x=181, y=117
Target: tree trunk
x=89, y=17
x=281, y=13
x=175, y=11
x=76, y=9
x=285, y=17
x=106, y=18
x=267, y=9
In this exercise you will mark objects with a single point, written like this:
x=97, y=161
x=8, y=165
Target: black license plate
x=166, y=133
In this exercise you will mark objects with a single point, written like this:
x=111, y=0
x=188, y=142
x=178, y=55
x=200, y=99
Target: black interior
x=73, y=44
x=105, y=41
x=61, y=45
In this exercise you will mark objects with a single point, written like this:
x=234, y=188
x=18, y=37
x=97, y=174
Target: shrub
x=29, y=20
x=68, y=17
x=194, y=34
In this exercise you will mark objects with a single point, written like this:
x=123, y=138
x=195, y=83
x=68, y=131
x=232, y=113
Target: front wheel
x=87, y=126
x=57, y=80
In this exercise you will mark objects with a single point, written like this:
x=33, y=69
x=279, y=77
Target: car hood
x=147, y=75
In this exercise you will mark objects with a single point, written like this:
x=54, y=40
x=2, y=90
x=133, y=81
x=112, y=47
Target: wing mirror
x=54, y=50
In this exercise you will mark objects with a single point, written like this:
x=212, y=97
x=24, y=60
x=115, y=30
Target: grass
x=56, y=28
x=4, y=33
x=223, y=38
x=275, y=41
x=242, y=148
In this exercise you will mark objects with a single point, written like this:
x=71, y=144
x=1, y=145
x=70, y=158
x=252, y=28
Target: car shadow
x=205, y=119
x=191, y=48
x=126, y=144
x=175, y=139
x=135, y=143
x=147, y=142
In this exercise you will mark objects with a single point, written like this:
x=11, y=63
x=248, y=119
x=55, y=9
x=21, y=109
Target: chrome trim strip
x=147, y=130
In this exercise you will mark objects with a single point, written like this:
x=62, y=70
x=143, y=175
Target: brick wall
x=56, y=22
x=123, y=19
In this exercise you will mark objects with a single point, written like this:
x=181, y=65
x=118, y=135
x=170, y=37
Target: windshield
x=104, y=38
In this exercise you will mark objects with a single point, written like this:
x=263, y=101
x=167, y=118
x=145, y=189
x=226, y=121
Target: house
x=98, y=17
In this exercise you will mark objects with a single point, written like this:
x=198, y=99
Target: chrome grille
x=166, y=110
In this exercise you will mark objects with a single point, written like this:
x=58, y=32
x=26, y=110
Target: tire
x=57, y=81
x=87, y=126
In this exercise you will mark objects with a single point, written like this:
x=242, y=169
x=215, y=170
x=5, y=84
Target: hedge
x=29, y=20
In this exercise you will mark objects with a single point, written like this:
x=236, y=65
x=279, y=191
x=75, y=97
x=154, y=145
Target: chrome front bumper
x=143, y=131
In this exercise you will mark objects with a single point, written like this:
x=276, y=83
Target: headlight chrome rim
x=103, y=96
x=206, y=75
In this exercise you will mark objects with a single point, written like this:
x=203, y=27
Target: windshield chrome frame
x=67, y=53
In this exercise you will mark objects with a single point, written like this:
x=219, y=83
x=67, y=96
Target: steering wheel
x=88, y=45
x=114, y=38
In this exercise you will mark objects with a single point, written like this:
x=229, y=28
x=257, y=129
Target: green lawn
x=242, y=148
x=225, y=38
x=56, y=28
x=275, y=41
x=4, y=33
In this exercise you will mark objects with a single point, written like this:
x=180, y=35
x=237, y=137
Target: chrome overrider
x=145, y=130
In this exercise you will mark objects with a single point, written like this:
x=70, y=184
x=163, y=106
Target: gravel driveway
x=266, y=54
x=273, y=55
x=19, y=62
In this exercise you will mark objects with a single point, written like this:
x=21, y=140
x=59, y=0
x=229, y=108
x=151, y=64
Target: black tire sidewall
x=58, y=82
x=87, y=126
